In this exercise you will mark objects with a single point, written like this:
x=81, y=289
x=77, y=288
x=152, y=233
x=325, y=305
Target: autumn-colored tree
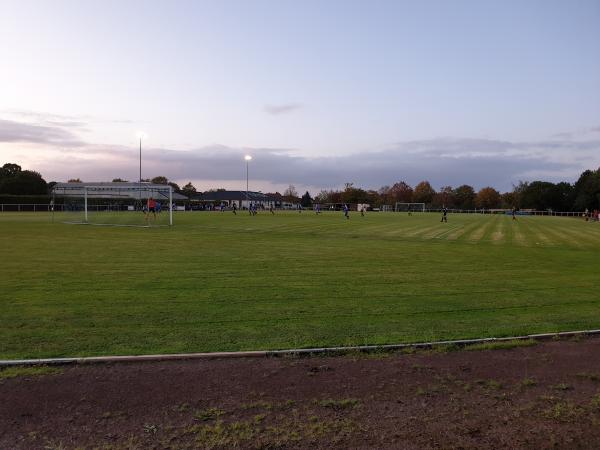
x=401, y=192
x=336, y=197
x=423, y=193
x=75, y=180
x=291, y=194
x=445, y=197
x=373, y=198
x=323, y=197
x=488, y=198
x=385, y=195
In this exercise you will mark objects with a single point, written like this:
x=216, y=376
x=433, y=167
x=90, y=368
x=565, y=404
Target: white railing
x=46, y=207
x=28, y=207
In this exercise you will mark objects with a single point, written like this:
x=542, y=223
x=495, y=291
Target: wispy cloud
x=69, y=121
x=11, y=131
x=581, y=133
x=442, y=161
x=282, y=109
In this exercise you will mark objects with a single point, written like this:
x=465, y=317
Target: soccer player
x=362, y=211
x=318, y=208
x=158, y=208
x=514, y=212
x=151, y=208
x=271, y=210
x=346, y=212
x=444, y=214
x=234, y=209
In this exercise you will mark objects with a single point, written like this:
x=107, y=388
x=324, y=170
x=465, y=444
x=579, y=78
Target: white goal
x=119, y=204
x=410, y=207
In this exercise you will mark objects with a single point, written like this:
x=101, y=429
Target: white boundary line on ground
x=289, y=352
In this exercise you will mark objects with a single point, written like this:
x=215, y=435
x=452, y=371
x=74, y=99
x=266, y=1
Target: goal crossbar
x=405, y=206
x=111, y=192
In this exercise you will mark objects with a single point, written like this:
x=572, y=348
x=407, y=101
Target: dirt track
x=544, y=396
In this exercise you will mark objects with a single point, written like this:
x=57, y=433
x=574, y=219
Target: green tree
x=160, y=180
x=10, y=169
x=544, y=195
x=587, y=191
x=188, y=189
x=464, y=197
x=119, y=180
x=24, y=182
x=306, y=200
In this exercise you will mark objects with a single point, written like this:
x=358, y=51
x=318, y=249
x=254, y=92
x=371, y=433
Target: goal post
x=117, y=204
x=409, y=207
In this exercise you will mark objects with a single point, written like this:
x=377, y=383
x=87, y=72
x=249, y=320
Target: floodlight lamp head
x=247, y=157
x=141, y=135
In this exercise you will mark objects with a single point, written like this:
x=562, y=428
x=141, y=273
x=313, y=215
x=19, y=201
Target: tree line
x=539, y=195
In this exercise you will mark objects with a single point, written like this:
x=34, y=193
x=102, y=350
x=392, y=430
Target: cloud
x=442, y=161
x=276, y=110
x=580, y=133
x=11, y=131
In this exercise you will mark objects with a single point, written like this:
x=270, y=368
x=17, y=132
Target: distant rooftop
x=121, y=189
x=216, y=196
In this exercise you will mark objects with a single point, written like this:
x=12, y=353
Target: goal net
x=410, y=207
x=121, y=204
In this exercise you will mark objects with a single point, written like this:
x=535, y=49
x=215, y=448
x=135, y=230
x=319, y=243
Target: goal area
x=117, y=204
x=409, y=207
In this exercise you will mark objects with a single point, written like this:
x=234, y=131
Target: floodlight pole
x=140, y=160
x=247, y=158
x=86, y=202
x=171, y=205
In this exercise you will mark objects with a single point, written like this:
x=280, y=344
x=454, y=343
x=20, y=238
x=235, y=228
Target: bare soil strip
x=539, y=396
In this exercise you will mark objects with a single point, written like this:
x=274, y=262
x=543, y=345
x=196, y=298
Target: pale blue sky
x=472, y=85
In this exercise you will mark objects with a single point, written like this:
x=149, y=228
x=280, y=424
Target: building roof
x=123, y=190
x=218, y=196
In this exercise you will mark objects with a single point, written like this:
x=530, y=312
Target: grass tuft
x=502, y=345
x=29, y=371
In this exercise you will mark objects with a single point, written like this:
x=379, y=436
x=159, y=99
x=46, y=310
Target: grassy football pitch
x=216, y=281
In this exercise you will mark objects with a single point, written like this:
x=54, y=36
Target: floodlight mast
x=247, y=158
x=171, y=205
x=141, y=135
